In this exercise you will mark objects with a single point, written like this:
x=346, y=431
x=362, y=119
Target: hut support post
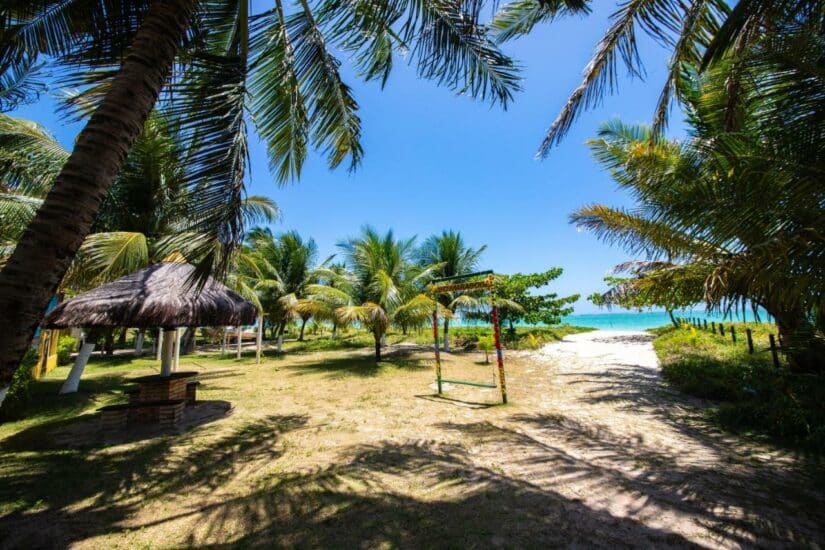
x=240, y=343
x=177, y=348
x=260, y=338
x=167, y=357
x=224, y=339
x=159, y=350
x=73, y=380
x=139, y=342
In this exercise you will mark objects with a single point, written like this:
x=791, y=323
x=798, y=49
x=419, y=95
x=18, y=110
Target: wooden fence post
x=749, y=334
x=713, y=326
x=721, y=329
x=705, y=321
x=774, y=351
x=733, y=333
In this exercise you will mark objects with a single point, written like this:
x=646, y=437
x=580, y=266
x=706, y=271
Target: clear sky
x=434, y=161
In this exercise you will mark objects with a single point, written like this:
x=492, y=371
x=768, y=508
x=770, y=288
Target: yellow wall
x=47, y=353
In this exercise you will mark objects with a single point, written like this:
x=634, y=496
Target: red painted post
x=499, y=355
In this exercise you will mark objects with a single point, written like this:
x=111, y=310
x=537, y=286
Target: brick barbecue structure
x=157, y=400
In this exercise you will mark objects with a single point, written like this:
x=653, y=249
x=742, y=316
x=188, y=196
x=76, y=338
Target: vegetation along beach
x=432, y=274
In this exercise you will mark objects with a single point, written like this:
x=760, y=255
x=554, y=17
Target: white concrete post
x=177, y=349
x=260, y=338
x=159, y=350
x=73, y=380
x=139, y=342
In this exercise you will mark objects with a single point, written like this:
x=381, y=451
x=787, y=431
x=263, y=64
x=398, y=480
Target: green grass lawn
x=311, y=438
x=754, y=396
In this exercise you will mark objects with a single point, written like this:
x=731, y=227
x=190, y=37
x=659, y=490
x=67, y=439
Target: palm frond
x=278, y=105
x=519, y=17
x=104, y=257
x=30, y=157
x=16, y=211
x=333, y=111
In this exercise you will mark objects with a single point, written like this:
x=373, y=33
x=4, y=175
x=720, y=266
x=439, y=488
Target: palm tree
x=291, y=260
x=731, y=216
x=386, y=283
x=454, y=257
x=333, y=290
x=222, y=61
x=140, y=221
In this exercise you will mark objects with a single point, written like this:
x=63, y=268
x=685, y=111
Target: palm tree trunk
x=187, y=343
x=377, y=346
x=109, y=342
x=797, y=338
x=672, y=318
x=31, y=276
x=303, y=325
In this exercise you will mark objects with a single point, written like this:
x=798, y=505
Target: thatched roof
x=157, y=296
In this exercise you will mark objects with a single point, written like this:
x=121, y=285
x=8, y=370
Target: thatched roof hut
x=160, y=295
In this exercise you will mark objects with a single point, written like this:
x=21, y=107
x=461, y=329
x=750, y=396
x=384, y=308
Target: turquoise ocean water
x=642, y=320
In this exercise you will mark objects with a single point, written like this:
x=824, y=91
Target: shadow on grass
x=457, y=402
x=356, y=505
x=51, y=499
x=362, y=365
x=84, y=431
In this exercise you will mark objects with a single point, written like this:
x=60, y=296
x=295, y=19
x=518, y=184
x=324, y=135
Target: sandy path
x=624, y=443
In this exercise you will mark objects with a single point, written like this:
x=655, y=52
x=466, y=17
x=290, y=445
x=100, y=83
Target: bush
x=20, y=388
x=66, y=345
x=486, y=345
x=755, y=397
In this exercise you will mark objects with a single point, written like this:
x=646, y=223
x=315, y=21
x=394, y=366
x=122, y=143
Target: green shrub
x=66, y=345
x=486, y=345
x=755, y=396
x=20, y=388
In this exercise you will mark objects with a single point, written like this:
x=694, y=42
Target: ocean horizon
x=634, y=320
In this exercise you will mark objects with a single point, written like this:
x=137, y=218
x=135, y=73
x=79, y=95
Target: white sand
x=603, y=348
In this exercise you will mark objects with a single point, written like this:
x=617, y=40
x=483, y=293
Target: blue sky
x=436, y=161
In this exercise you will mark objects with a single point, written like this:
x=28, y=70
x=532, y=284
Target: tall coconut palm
x=454, y=257
x=222, y=61
x=386, y=283
x=736, y=213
